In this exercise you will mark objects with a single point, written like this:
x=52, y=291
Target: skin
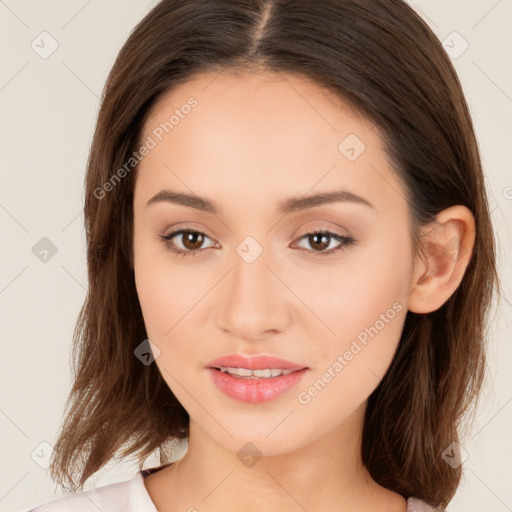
x=253, y=141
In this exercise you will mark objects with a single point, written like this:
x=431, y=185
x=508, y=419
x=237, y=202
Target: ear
x=448, y=244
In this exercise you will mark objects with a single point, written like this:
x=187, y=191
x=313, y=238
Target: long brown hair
x=382, y=58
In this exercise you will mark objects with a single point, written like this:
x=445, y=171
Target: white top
x=132, y=496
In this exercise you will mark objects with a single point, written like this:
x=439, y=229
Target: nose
x=254, y=302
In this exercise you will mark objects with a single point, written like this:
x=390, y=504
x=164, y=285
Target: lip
x=254, y=390
x=260, y=362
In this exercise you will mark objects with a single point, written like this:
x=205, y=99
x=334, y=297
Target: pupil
x=319, y=244
x=195, y=239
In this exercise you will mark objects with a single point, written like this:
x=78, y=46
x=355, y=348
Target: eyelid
x=184, y=226
x=322, y=227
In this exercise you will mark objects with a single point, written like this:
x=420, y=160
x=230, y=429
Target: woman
x=290, y=258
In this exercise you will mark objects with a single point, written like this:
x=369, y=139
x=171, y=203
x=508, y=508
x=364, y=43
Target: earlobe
x=448, y=245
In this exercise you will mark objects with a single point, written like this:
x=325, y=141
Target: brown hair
x=382, y=58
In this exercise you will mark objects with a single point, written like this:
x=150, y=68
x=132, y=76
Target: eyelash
x=345, y=241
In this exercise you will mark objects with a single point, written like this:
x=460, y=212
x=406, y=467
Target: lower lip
x=255, y=390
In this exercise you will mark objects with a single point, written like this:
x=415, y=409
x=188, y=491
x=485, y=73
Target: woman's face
x=260, y=282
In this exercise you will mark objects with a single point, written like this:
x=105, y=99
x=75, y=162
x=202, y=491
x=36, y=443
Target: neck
x=325, y=475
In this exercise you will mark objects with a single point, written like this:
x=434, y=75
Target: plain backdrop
x=48, y=108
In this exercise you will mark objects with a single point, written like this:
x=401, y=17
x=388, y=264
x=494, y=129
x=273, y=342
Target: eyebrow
x=291, y=205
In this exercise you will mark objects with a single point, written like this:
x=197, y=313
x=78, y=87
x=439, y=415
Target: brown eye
x=192, y=240
x=319, y=241
x=185, y=242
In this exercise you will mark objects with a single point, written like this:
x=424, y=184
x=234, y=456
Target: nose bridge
x=253, y=301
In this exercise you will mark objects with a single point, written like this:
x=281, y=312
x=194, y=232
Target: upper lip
x=261, y=362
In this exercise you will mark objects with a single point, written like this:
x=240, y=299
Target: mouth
x=246, y=373
x=261, y=366
x=255, y=379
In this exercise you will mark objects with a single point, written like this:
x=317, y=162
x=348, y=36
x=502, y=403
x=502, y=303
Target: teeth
x=255, y=374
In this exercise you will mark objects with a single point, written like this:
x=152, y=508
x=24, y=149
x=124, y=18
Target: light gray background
x=48, y=108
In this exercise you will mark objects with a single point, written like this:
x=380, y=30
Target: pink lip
x=254, y=362
x=254, y=390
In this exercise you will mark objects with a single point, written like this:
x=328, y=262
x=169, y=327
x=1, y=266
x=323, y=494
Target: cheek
x=349, y=365
x=165, y=298
x=171, y=294
x=361, y=301
x=165, y=292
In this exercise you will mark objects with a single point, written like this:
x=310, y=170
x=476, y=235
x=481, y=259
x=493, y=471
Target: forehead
x=261, y=104
x=266, y=134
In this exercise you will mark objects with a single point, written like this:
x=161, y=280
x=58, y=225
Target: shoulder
x=416, y=505
x=118, y=497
